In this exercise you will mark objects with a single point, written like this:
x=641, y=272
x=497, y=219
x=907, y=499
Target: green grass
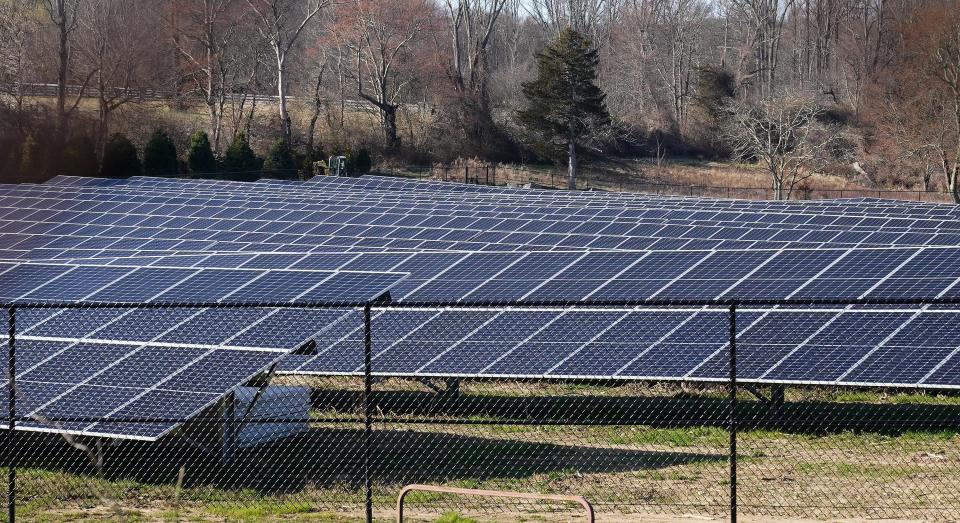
x=453, y=517
x=258, y=510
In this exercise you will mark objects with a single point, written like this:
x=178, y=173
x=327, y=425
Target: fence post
x=11, y=415
x=367, y=412
x=733, y=412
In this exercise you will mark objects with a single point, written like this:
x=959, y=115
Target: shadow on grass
x=436, y=438
x=815, y=417
x=325, y=458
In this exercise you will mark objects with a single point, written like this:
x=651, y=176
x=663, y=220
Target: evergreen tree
x=239, y=156
x=119, y=158
x=280, y=158
x=80, y=157
x=362, y=163
x=200, y=156
x=160, y=155
x=564, y=104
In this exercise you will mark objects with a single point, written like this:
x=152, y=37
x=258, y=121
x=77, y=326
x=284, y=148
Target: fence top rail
x=453, y=304
x=191, y=305
x=726, y=303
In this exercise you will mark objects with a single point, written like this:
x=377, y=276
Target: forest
x=865, y=90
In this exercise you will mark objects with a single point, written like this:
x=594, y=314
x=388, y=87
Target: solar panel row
x=829, y=346
x=919, y=272
x=125, y=228
x=217, y=241
x=79, y=368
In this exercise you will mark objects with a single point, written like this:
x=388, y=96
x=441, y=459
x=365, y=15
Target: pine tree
x=564, y=104
x=119, y=158
x=200, y=156
x=160, y=155
x=280, y=158
x=80, y=157
x=239, y=156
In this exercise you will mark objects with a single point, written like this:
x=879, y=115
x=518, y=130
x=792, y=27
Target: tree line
x=868, y=89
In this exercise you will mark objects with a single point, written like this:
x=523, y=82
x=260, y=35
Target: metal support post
x=367, y=412
x=11, y=415
x=733, y=413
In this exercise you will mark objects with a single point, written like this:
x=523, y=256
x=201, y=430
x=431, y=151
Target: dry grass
x=681, y=177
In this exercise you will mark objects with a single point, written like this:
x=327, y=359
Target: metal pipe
x=587, y=507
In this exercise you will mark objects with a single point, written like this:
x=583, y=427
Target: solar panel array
x=83, y=366
x=351, y=239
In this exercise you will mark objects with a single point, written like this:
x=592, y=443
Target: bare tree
x=472, y=24
x=112, y=52
x=946, y=58
x=64, y=16
x=682, y=23
x=591, y=17
x=767, y=18
x=204, y=35
x=280, y=24
x=381, y=35
x=472, y=28
x=319, y=101
x=785, y=135
x=17, y=29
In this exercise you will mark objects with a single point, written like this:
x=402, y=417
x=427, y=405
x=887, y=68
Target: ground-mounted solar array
x=80, y=366
x=155, y=240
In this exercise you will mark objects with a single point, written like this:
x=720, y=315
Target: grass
x=257, y=511
x=682, y=437
x=622, y=467
x=681, y=176
x=453, y=517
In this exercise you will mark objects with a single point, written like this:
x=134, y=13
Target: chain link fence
x=201, y=412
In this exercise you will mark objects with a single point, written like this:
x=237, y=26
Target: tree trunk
x=953, y=186
x=285, y=125
x=214, y=126
x=62, y=70
x=952, y=171
x=318, y=104
x=103, y=127
x=389, y=114
x=572, y=165
x=778, y=189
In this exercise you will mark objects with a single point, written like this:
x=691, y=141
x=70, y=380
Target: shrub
x=280, y=158
x=362, y=163
x=160, y=155
x=80, y=157
x=239, y=156
x=200, y=156
x=119, y=158
x=313, y=155
x=29, y=158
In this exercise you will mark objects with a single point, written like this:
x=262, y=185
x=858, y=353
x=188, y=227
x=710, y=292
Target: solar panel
x=77, y=369
x=333, y=239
